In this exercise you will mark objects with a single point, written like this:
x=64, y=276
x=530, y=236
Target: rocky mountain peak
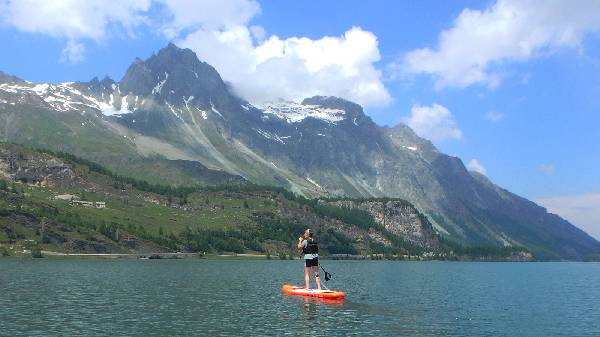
x=175, y=75
x=106, y=83
x=333, y=102
x=352, y=111
x=170, y=54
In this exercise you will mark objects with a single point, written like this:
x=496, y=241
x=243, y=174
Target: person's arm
x=300, y=244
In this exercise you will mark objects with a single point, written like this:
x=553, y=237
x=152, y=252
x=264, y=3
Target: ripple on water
x=198, y=297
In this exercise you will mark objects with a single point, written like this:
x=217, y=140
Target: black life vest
x=311, y=248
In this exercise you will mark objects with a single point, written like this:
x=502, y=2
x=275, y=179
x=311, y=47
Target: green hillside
x=140, y=217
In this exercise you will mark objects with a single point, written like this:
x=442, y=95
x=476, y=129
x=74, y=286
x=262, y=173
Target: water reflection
x=312, y=306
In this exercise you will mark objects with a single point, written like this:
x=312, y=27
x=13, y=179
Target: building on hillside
x=82, y=203
x=66, y=197
x=85, y=203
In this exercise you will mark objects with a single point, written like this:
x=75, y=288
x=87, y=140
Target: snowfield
x=65, y=97
x=295, y=112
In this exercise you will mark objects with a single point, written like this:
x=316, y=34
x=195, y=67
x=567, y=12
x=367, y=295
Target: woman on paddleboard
x=307, y=244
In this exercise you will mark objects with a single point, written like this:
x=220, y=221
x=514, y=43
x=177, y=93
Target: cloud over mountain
x=475, y=165
x=295, y=67
x=433, y=122
x=259, y=66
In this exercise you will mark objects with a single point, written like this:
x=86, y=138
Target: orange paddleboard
x=300, y=291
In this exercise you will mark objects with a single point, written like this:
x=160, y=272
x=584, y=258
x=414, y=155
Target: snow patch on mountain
x=64, y=97
x=212, y=107
x=41, y=88
x=13, y=88
x=158, y=87
x=124, y=104
x=270, y=135
x=187, y=101
x=293, y=112
x=203, y=113
x=174, y=112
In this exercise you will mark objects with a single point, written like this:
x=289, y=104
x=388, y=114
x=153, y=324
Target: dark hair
x=310, y=233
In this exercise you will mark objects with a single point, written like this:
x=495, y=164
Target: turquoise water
x=241, y=298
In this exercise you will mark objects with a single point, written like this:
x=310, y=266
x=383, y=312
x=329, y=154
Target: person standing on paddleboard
x=307, y=244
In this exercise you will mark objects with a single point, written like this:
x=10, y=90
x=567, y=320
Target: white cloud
x=494, y=116
x=433, y=122
x=73, y=20
x=475, y=165
x=186, y=15
x=582, y=210
x=547, y=169
x=294, y=68
x=259, y=33
x=259, y=66
x=264, y=67
x=471, y=51
x=73, y=52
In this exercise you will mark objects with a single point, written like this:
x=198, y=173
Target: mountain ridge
x=322, y=146
x=60, y=203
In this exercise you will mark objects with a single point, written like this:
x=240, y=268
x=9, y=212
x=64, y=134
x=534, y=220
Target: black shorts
x=312, y=262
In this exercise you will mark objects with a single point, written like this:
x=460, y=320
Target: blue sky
x=511, y=87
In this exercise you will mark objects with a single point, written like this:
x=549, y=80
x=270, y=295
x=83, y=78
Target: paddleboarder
x=308, y=245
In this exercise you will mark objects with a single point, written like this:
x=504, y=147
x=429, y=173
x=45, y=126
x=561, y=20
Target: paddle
x=327, y=275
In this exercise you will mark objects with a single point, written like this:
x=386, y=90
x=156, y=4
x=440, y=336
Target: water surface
x=388, y=298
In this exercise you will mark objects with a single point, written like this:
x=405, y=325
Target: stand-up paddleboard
x=324, y=294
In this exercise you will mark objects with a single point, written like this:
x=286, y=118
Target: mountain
x=60, y=203
x=172, y=109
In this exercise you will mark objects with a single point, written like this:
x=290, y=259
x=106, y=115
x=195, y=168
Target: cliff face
x=40, y=169
x=362, y=238
x=398, y=217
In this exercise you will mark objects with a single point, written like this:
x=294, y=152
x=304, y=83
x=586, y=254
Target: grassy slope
x=168, y=220
x=241, y=218
x=91, y=137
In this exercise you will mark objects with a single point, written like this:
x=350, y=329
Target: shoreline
x=250, y=256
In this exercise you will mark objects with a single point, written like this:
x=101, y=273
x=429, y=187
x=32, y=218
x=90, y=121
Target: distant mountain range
x=172, y=119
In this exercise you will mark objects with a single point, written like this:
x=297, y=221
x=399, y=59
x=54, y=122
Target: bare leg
x=317, y=278
x=307, y=277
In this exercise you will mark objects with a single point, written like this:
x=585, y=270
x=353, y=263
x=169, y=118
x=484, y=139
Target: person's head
x=308, y=233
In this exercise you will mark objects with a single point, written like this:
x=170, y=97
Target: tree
x=3, y=185
x=36, y=253
x=4, y=251
x=246, y=204
x=43, y=237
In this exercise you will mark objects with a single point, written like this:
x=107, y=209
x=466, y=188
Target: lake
x=242, y=297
